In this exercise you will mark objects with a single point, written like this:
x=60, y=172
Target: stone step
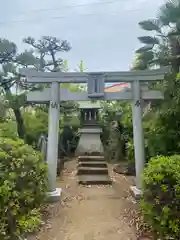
x=90, y=158
x=92, y=154
x=94, y=179
x=91, y=164
x=92, y=171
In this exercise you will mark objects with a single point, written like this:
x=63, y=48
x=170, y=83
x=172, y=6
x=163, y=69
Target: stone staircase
x=92, y=170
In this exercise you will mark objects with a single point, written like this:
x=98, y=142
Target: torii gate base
x=135, y=192
x=54, y=196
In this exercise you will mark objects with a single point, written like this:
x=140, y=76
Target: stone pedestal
x=136, y=193
x=54, y=196
x=89, y=141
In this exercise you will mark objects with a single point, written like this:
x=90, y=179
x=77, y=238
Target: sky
x=102, y=33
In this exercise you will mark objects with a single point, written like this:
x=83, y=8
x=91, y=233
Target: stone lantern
x=89, y=141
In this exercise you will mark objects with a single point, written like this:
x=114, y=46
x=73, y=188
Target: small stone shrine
x=89, y=141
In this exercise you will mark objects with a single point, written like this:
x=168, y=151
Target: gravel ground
x=92, y=212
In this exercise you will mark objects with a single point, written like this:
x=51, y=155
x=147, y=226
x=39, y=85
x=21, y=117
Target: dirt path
x=87, y=213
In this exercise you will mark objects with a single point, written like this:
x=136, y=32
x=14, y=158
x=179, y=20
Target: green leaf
x=9, y=68
x=149, y=40
x=144, y=48
x=7, y=50
x=146, y=56
x=169, y=12
x=27, y=59
x=174, y=33
x=150, y=25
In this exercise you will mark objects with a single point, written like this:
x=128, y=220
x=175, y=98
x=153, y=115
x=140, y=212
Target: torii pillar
x=53, y=193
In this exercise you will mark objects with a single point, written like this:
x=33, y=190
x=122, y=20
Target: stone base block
x=136, y=193
x=88, y=143
x=54, y=196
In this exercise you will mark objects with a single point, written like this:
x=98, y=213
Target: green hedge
x=22, y=188
x=35, y=125
x=8, y=129
x=161, y=196
x=130, y=151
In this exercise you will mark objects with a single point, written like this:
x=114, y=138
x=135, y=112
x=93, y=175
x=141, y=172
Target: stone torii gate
x=95, y=82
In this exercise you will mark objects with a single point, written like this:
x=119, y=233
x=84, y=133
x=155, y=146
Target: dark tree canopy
x=49, y=47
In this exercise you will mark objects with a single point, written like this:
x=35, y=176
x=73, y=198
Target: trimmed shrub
x=161, y=196
x=130, y=151
x=8, y=129
x=35, y=125
x=22, y=188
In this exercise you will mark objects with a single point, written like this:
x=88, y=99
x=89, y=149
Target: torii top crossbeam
x=34, y=76
x=95, y=83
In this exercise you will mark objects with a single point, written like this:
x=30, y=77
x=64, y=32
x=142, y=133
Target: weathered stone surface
x=127, y=169
x=54, y=196
x=88, y=143
x=90, y=158
x=136, y=193
x=91, y=164
x=93, y=154
x=92, y=170
x=94, y=179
